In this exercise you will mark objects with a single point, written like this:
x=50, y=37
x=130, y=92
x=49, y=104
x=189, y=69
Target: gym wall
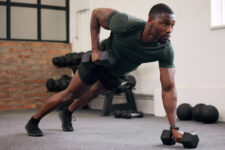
x=199, y=52
x=24, y=69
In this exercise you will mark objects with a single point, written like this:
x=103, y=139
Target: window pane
x=25, y=1
x=53, y=24
x=23, y=23
x=54, y=2
x=223, y=6
x=2, y=22
x=216, y=12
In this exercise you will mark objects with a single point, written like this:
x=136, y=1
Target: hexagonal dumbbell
x=167, y=137
x=189, y=139
x=107, y=58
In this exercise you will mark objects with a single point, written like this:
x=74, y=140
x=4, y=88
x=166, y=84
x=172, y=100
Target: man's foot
x=32, y=128
x=66, y=117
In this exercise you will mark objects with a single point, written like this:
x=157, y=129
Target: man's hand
x=177, y=135
x=95, y=56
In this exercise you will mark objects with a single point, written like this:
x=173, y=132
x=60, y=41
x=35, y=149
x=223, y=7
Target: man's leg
x=92, y=93
x=66, y=114
x=74, y=90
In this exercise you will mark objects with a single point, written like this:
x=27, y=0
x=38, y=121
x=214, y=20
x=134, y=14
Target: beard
x=155, y=33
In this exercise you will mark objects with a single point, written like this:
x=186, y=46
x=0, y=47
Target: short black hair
x=160, y=8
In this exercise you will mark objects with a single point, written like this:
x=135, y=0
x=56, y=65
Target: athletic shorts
x=90, y=74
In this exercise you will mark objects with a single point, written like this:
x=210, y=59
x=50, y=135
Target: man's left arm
x=169, y=97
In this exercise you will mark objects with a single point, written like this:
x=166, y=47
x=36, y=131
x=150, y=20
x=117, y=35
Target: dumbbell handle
x=107, y=58
x=86, y=57
x=189, y=139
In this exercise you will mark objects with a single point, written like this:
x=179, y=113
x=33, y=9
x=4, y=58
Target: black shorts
x=89, y=75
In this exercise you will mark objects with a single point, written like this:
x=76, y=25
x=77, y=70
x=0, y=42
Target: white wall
x=80, y=25
x=199, y=52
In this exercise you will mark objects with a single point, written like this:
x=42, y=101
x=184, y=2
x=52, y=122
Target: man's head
x=160, y=22
x=160, y=8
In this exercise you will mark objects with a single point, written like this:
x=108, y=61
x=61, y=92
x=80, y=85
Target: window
x=23, y=23
x=217, y=13
x=34, y=20
x=52, y=26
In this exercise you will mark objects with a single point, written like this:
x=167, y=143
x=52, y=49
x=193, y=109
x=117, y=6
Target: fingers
x=177, y=135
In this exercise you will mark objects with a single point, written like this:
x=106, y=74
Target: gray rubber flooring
x=95, y=132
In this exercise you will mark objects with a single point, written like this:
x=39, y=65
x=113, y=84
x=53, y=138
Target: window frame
x=39, y=6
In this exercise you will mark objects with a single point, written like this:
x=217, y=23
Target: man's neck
x=146, y=36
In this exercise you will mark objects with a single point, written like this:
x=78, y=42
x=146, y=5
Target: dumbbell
x=65, y=80
x=167, y=137
x=50, y=84
x=65, y=77
x=58, y=85
x=73, y=58
x=189, y=139
x=53, y=85
x=128, y=83
x=128, y=114
x=59, y=61
x=117, y=114
x=107, y=58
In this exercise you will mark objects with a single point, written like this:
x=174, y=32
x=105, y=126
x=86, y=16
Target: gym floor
x=95, y=132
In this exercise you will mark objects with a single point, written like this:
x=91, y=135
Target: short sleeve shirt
x=125, y=41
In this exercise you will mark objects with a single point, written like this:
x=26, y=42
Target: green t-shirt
x=125, y=41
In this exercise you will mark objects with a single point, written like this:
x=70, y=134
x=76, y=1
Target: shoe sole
x=61, y=118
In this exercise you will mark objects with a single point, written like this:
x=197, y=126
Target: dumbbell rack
x=109, y=107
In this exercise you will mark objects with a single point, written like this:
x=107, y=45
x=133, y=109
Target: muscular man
x=134, y=41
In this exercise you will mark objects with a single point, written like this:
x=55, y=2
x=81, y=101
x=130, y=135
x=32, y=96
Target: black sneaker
x=66, y=117
x=32, y=128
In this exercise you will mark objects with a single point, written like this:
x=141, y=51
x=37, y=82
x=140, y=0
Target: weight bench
x=126, y=86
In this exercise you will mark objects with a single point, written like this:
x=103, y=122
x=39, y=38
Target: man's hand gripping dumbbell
x=188, y=139
x=103, y=58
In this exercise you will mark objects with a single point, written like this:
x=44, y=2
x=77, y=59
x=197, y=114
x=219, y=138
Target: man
x=134, y=42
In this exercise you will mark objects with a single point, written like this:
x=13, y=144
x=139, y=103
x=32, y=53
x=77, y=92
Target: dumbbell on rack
x=69, y=60
x=59, y=61
x=128, y=83
x=58, y=84
x=189, y=139
x=73, y=59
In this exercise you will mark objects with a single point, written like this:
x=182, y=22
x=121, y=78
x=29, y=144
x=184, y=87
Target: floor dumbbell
x=189, y=139
x=128, y=114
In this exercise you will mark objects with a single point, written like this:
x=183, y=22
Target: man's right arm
x=99, y=18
